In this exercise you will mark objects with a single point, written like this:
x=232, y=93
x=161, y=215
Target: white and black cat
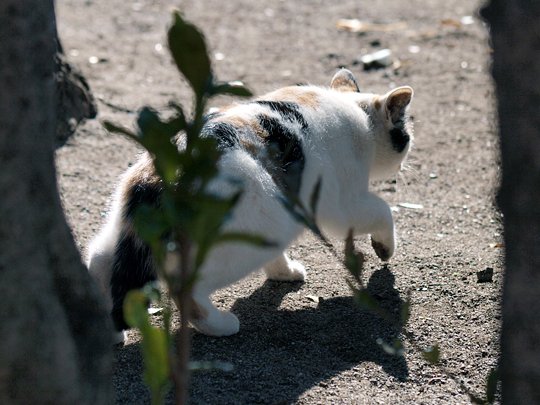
x=283, y=141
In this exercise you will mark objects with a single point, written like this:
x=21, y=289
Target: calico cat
x=282, y=142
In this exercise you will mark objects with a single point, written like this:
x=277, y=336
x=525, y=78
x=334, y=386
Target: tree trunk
x=515, y=34
x=55, y=339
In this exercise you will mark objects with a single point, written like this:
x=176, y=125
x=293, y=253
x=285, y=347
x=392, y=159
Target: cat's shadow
x=281, y=353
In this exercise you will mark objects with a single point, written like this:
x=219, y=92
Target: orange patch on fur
x=343, y=84
x=377, y=103
x=234, y=120
x=258, y=130
x=142, y=172
x=295, y=94
x=248, y=146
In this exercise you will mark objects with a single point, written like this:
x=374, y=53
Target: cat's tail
x=118, y=259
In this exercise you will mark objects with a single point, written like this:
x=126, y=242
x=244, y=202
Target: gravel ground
x=310, y=343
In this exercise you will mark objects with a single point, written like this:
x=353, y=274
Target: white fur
x=347, y=147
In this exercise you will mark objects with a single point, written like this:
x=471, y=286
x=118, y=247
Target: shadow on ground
x=280, y=354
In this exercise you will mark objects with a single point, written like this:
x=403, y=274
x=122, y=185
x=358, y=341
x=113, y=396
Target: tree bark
x=515, y=35
x=55, y=336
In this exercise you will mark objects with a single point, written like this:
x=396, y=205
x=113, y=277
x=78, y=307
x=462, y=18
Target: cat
x=282, y=142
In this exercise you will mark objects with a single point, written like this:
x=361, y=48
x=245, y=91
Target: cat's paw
x=218, y=323
x=298, y=271
x=384, y=252
x=291, y=270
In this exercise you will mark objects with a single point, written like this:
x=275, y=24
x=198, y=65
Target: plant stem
x=182, y=296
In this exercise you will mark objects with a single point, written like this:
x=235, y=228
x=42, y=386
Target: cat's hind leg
x=285, y=269
x=225, y=265
x=207, y=319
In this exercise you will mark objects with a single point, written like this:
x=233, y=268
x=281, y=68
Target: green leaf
x=235, y=88
x=157, y=137
x=291, y=208
x=135, y=312
x=491, y=386
x=151, y=223
x=432, y=355
x=155, y=347
x=296, y=209
x=202, y=160
x=155, y=343
x=189, y=52
x=152, y=292
x=314, y=200
x=250, y=239
x=167, y=316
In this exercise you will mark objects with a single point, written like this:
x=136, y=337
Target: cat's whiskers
x=406, y=175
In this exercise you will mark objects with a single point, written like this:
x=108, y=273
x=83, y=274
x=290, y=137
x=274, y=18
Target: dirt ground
x=310, y=343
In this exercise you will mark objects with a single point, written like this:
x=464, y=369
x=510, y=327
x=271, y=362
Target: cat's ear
x=344, y=80
x=396, y=102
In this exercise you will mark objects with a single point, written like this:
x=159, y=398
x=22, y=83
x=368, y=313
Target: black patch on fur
x=285, y=152
x=225, y=134
x=211, y=116
x=133, y=267
x=400, y=138
x=142, y=193
x=288, y=110
x=133, y=264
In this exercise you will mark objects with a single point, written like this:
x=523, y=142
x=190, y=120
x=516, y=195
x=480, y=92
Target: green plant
x=189, y=219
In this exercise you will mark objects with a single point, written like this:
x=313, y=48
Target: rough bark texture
x=74, y=100
x=55, y=338
x=515, y=33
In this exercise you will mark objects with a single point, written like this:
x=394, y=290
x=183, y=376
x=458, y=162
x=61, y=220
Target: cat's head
x=389, y=122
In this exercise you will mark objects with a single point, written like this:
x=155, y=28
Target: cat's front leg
x=285, y=269
x=375, y=217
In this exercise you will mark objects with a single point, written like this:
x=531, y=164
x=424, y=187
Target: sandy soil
x=291, y=348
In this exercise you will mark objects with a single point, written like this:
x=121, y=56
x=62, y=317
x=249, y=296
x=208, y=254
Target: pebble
x=485, y=276
x=379, y=59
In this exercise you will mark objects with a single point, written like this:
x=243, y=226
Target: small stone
x=467, y=20
x=485, y=276
x=379, y=59
x=159, y=48
x=411, y=206
x=154, y=310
